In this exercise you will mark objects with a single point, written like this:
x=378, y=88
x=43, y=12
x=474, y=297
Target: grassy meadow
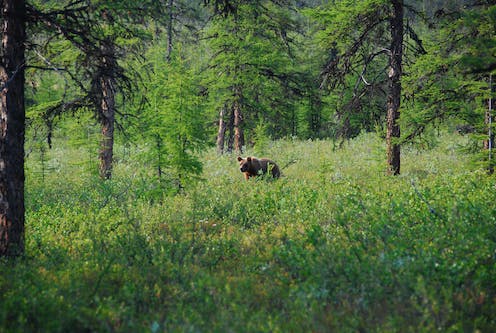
x=335, y=245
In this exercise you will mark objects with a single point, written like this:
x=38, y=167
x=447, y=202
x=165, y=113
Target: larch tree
x=394, y=88
x=105, y=89
x=477, y=56
x=365, y=42
x=251, y=74
x=452, y=80
x=12, y=124
x=177, y=28
x=180, y=22
x=173, y=117
x=102, y=33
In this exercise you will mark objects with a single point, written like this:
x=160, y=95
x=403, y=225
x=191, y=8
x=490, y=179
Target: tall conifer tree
x=251, y=74
x=12, y=125
x=361, y=36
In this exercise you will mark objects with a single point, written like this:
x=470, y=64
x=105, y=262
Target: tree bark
x=394, y=89
x=158, y=142
x=230, y=127
x=12, y=125
x=489, y=142
x=107, y=112
x=221, y=134
x=238, y=130
x=315, y=117
x=170, y=18
x=239, y=139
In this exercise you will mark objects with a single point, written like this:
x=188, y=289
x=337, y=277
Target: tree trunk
x=230, y=127
x=394, y=89
x=489, y=142
x=239, y=139
x=315, y=117
x=107, y=112
x=158, y=141
x=221, y=134
x=238, y=130
x=170, y=6
x=12, y=123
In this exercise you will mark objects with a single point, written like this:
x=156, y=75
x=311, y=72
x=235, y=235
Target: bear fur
x=253, y=167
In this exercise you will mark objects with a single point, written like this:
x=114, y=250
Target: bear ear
x=240, y=158
x=248, y=159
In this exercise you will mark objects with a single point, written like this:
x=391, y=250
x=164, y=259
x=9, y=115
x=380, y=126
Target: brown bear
x=252, y=167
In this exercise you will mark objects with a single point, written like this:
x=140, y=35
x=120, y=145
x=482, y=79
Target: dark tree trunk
x=315, y=118
x=170, y=7
x=158, y=141
x=221, y=134
x=12, y=122
x=394, y=89
x=107, y=112
x=108, y=124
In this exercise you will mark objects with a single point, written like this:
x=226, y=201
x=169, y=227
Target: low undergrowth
x=334, y=245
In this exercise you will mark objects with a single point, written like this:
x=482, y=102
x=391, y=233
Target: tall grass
x=334, y=245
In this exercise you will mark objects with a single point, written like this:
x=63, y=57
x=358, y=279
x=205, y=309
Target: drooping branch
x=483, y=70
x=338, y=66
x=73, y=24
x=418, y=42
x=367, y=61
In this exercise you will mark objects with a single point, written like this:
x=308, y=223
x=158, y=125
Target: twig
x=52, y=66
x=288, y=164
x=6, y=84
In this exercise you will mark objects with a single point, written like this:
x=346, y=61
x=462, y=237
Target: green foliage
x=334, y=245
x=479, y=52
x=262, y=140
x=174, y=121
x=450, y=82
x=355, y=37
x=252, y=65
x=343, y=21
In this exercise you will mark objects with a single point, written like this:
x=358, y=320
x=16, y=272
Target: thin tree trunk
x=221, y=134
x=238, y=130
x=394, y=87
x=107, y=113
x=108, y=124
x=12, y=124
x=170, y=6
x=489, y=142
x=239, y=139
x=315, y=117
x=159, y=155
x=230, y=127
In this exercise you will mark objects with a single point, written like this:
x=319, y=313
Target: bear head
x=244, y=163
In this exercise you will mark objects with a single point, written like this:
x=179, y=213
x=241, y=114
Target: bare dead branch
x=12, y=77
